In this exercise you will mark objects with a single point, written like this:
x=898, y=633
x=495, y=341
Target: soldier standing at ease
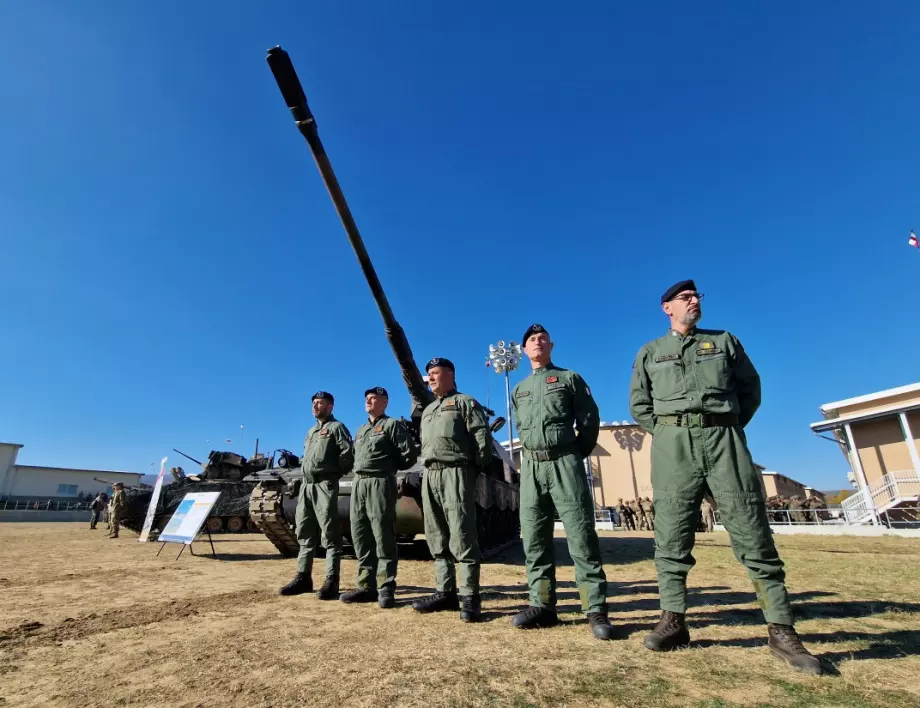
x=621, y=511
x=640, y=513
x=117, y=508
x=546, y=404
x=706, y=508
x=382, y=446
x=96, y=507
x=695, y=390
x=327, y=456
x=456, y=443
x=649, y=508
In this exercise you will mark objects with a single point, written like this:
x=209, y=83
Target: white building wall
x=8, y=453
x=38, y=482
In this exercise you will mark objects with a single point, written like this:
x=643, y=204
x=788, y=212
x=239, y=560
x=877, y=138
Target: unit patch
x=521, y=394
x=706, y=350
x=556, y=387
x=324, y=433
x=706, y=345
x=666, y=357
x=450, y=404
x=378, y=429
x=552, y=379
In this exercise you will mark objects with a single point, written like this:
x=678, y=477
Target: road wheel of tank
x=215, y=523
x=252, y=526
x=236, y=524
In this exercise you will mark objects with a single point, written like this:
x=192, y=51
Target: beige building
x=878, y=434
x=621, y=466
x=776, y=484
x=34, y=482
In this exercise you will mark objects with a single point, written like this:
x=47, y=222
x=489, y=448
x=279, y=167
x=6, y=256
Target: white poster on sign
x=154, y=500
x=186, y=521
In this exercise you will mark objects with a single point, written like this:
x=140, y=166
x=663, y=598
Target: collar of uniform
x=452, y=392
x=690, y=333
x=328, y=419
x=382, y=416
x=543, y=369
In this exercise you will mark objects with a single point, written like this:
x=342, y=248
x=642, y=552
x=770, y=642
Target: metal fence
x=46, y=505
x=902, y=517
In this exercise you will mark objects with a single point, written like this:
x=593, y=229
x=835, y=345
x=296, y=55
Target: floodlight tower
x=504, y=358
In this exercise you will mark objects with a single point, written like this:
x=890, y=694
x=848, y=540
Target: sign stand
x=187, y=521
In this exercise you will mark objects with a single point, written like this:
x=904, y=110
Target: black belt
x=547, y=455
x=435, y=465
x=699, y=420
x=374, y=474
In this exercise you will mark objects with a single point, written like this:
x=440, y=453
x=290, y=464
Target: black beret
x=377, y=391
x=440, y=361
x=676, y=288
x=323, y=394
x=533, y=329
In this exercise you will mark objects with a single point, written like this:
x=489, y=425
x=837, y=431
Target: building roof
x=830, y=408
x=75, y=469
x=10, y=444
x=838, y=422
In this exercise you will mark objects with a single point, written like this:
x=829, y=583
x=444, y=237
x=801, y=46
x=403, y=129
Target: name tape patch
x=666, y=357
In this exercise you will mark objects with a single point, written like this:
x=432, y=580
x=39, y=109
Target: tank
x=223, y=472
x=273, y=501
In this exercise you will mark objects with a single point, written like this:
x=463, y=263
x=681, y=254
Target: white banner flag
x=154, y=500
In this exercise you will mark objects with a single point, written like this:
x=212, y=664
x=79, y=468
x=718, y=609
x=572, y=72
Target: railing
x=36, y=505
x=902, y=516
x=891, y=489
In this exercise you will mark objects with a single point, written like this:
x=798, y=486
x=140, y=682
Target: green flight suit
x=456, y=443
x=695, y=394
x=546, y=404
x=327, y=456
x=382, y=446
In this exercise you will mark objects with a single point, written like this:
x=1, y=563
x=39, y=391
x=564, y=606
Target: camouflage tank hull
x=230, y=513
x=272, y=509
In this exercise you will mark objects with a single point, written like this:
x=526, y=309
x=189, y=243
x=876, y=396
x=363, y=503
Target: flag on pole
x=913, y=241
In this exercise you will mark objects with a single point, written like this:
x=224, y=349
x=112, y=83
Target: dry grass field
x=90, y=622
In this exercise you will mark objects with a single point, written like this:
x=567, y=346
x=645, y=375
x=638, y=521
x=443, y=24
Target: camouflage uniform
x=117, y=508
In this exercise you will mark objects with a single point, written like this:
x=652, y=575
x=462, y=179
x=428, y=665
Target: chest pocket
x=320, y=447
x=557, y=401
x=449, y=423
x=523, y=405
x=714, y=371
x=667, y=379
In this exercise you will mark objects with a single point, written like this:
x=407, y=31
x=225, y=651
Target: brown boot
x=785, y=644
x=670, y=633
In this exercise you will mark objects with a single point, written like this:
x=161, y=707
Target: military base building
x=31, y=482
x=878, y=434
x=621, y=467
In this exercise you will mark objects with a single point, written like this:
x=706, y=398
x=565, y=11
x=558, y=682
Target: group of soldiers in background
x=797, y=509
x=636, y=515
x=111, y=510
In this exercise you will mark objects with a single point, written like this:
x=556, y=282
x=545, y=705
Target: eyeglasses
x=687, y=297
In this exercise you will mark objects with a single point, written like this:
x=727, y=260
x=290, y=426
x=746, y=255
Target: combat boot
x=600, y=625
x=785, y=644
x=386, y=599
x=300, y=584
x=535, y=617
x=359, y=595
x=472, y=608
x=670, y=633
x=437, y=602
x=329, y=590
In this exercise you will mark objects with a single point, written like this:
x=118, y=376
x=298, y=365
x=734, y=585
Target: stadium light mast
x=504, y=358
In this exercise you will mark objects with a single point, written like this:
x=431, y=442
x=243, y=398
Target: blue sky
x=173, y=267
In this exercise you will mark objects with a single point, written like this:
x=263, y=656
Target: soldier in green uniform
x=327, y=456
x=382, y=446
x=456, y=443
x=546, y=405
x=117, y=508
x=695, y=390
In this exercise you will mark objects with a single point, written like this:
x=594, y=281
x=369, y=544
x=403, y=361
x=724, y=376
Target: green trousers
x=563, y=484
x=373, y=531
x=449, y=506
x=685, y=463
x=317, y=520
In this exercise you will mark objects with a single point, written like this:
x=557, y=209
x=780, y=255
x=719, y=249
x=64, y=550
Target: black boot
x=472, y=608
x=437, y=602
x=670, y=633
x=386, y=599
x=330, y=589
x=359, y=595
x=300, y=584
x=600, y=625
x=785, y=644
x=535, y=617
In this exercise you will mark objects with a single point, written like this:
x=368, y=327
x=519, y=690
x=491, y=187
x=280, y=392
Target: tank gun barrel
x=188, y=457
x=291, y=89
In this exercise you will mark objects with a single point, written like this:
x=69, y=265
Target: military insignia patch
x=666, y=357
x=706, y=345
x=708, y=351
x=324, y=432
x=552, y=379
x=378, y=429
x=521, y=394
x=588, y=390
x=450, y=404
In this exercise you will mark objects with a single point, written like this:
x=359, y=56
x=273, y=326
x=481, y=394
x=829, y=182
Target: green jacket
x=455, y=431
x=706, y=371
x=327, y=451
x=546, y=404
x=383, y=446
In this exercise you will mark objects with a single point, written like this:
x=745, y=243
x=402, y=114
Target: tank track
x=266, y=510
